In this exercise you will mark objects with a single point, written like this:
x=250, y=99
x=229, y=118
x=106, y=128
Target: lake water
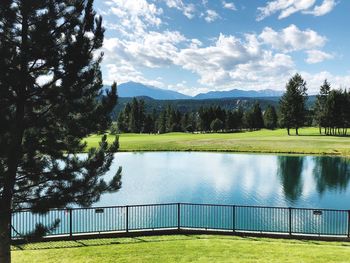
x=229, y=178
x=214, y=178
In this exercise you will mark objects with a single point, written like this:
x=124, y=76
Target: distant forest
x=330, y=110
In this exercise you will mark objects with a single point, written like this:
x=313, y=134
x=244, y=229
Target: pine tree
x=270, y=117
x=50, y=99
x=292, y=104
x=162, y=122
x=257, y=117
x=320, y=110
x=216, y=125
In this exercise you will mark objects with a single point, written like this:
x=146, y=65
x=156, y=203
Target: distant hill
x=133, y=89
x=235, y=93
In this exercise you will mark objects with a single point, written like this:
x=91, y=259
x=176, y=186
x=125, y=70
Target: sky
x=195, y=46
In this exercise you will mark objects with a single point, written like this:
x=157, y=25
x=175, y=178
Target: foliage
x=332, y=110
x=253, y=119
x=173, y=120
x=50, y=99
x=293, y=104
x=216, y=125
x=270, y=118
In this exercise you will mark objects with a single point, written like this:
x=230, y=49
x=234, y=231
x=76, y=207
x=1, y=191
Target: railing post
x=127, y=219
x=348, y=223
x=178, y=216
x=70, y=222
x=290, y=221
x=234, y=218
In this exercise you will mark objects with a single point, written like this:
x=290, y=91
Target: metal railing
x=186, y=216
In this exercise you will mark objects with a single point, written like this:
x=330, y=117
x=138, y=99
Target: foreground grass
x=183, y=249
x=264, y=141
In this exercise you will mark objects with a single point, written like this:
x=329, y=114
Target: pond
x=230, y=178
x=214, y=178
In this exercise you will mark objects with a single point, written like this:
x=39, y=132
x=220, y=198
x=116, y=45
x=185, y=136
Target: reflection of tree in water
x=331, y=174
x=289, y=172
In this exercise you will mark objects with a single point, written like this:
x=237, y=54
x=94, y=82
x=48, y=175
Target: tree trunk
x=15, y=150
x=296, y=131
x=5, y=236
x=288, y=131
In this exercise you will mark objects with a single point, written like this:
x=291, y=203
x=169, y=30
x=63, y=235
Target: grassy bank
x=183, y=249
x=265, y=141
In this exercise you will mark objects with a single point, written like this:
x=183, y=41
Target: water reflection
x=331, y=174
x=289, y=171
x=225, y=178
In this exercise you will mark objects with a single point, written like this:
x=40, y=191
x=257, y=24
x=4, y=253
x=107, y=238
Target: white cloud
x=211, y=16
x=188, y=10
x=231, y=60
x=314, y=81
x=292, y=38
x=320, y=10
x=229, y=5
x=135, y=16
x=124, y=71
x=289, y=7
x=153, y=49
x=137, y=41
x=317, y=56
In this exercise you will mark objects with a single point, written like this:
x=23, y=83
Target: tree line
x=133, y=118
x=331, y=113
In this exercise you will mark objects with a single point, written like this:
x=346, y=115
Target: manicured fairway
x=264, y=141
x=183, y=249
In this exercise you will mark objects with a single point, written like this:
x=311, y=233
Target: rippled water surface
x=226, y=178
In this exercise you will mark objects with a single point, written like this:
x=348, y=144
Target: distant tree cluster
x=207, y=119
x=332, y=110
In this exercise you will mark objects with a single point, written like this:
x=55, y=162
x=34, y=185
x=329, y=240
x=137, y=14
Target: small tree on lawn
x=292, y=104
x=50, y=99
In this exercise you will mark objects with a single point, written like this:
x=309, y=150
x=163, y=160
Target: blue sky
x=197, y=46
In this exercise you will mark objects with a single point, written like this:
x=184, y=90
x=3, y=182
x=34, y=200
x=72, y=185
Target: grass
x=183, y=248
x=264, y=141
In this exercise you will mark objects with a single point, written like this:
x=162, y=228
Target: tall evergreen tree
x=270, y=117
x=216, y=125
x=292, y=104
x=320, y=110
x=50, y=99
x=161, y=122
x=258, y=116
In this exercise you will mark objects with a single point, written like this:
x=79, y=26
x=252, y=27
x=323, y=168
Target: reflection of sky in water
x=224, y=178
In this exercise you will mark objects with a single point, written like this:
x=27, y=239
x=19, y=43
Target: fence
x=185, y=216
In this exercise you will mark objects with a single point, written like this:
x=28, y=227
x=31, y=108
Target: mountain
x=236, y=93
x=133, y=89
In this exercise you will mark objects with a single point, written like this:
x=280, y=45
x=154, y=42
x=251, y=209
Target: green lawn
x=184, y=248
x=264, y=141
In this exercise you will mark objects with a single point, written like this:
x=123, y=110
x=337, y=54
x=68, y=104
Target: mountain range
x=134, y=89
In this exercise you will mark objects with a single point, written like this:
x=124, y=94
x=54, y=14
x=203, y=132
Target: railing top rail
x=271, y=207
x=192, y=204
